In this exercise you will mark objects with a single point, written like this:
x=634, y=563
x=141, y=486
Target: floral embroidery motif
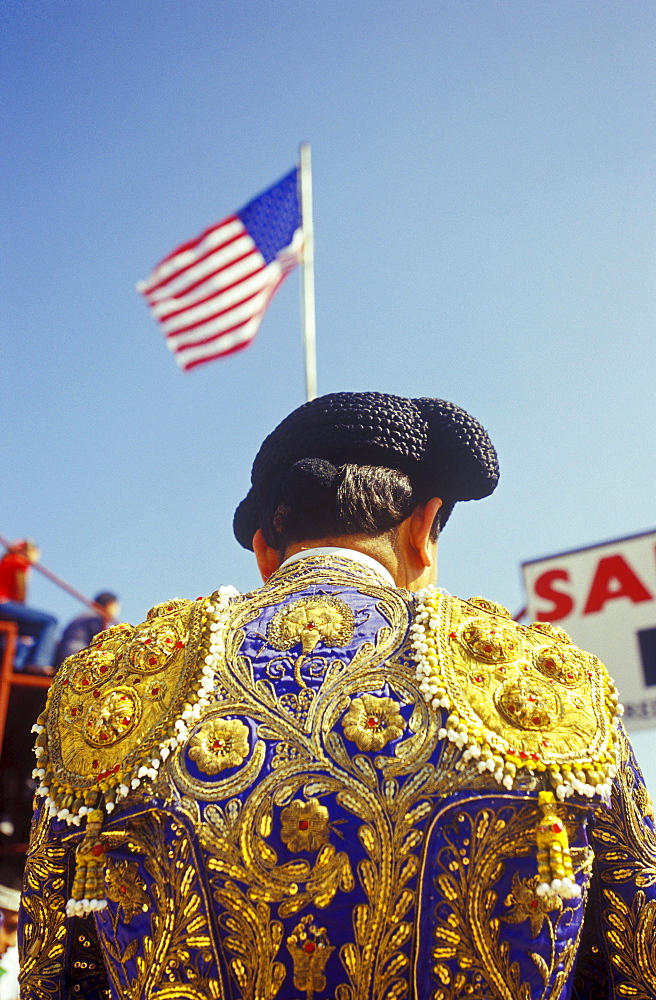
x=373, y=722
x=528, y=703
x=488, y=642
x=111, y=718
x=527, y=905
x=304, y=825
x=125, y=887
x=310, y=950
x=152, y=646
x=566, y=665
x=310, y=621
x=219, y=744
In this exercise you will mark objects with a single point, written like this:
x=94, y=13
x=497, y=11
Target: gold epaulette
x=517, y=696
x=115, y=712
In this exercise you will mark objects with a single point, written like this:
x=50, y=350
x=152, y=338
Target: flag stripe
x=224, y=321
x=210, y=294
x=195, y=274
x=222, y=233
x=230, y=294
x=236, y=333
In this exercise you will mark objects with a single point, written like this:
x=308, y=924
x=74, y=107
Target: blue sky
x=484, y=201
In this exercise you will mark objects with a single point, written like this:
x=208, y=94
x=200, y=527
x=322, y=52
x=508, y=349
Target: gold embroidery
x=504, y=685
x=527, y=703
x=527, y=905
x=567, y=665
x=219, y=744
x=111, y=718
x=631, y=934
x=310, y=950
x=489, y=642
x=626, y=842
x=44, y=904
x=467, y=934
x=173, y=959
x=95, y=703
x=304, y=825
x=373, y=722
x=125, y=887
x=309, y=621
x=253, y=886
x=490, y=606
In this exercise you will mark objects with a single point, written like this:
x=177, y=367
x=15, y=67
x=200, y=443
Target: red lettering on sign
x=562, y=604
x=614, y=578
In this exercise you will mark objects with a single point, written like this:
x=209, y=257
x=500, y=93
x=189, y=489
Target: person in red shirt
x=38, y=626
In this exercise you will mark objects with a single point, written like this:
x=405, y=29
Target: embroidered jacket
x=333, y=789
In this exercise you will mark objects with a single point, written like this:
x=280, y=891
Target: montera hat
x=445, y=451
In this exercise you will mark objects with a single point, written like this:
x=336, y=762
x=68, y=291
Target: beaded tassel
x=89, y=880
x=554, y=859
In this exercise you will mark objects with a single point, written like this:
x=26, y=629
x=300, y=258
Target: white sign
x=605, y=597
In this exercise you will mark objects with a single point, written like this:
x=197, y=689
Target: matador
x=346, y=784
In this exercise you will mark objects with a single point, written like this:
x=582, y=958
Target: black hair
x=315, y=499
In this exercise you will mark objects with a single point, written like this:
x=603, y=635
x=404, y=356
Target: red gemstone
x=179, y=645
x=168, y=640
x=372, y=722
x=534, y=904
x=155, y=692
x=126, y=722
x=303, y=824
x=488, y=648
x=123, y=890
x=152, y=661
x=104, y=737
x=96, y=693
x=523, y=755
x=95, y=764
x=103, y=669
x=97, y=850
x=309, y=946
x=453, y=635
x=147, y=642
x=85, y=681
x=511, y=708
x=557, y=827
x=535, y=756
x=310, y=625
x=74, y=711
x=536, y=720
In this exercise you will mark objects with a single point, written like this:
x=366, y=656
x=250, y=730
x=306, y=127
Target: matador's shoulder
x=117, y=709
x=520, y=700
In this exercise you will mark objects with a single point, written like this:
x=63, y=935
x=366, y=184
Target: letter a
x=614, y=578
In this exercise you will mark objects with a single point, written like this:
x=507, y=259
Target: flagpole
x=307, y=283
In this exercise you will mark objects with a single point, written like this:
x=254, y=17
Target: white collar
x=352, y=554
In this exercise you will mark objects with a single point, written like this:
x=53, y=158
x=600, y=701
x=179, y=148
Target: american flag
x=211, y=293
